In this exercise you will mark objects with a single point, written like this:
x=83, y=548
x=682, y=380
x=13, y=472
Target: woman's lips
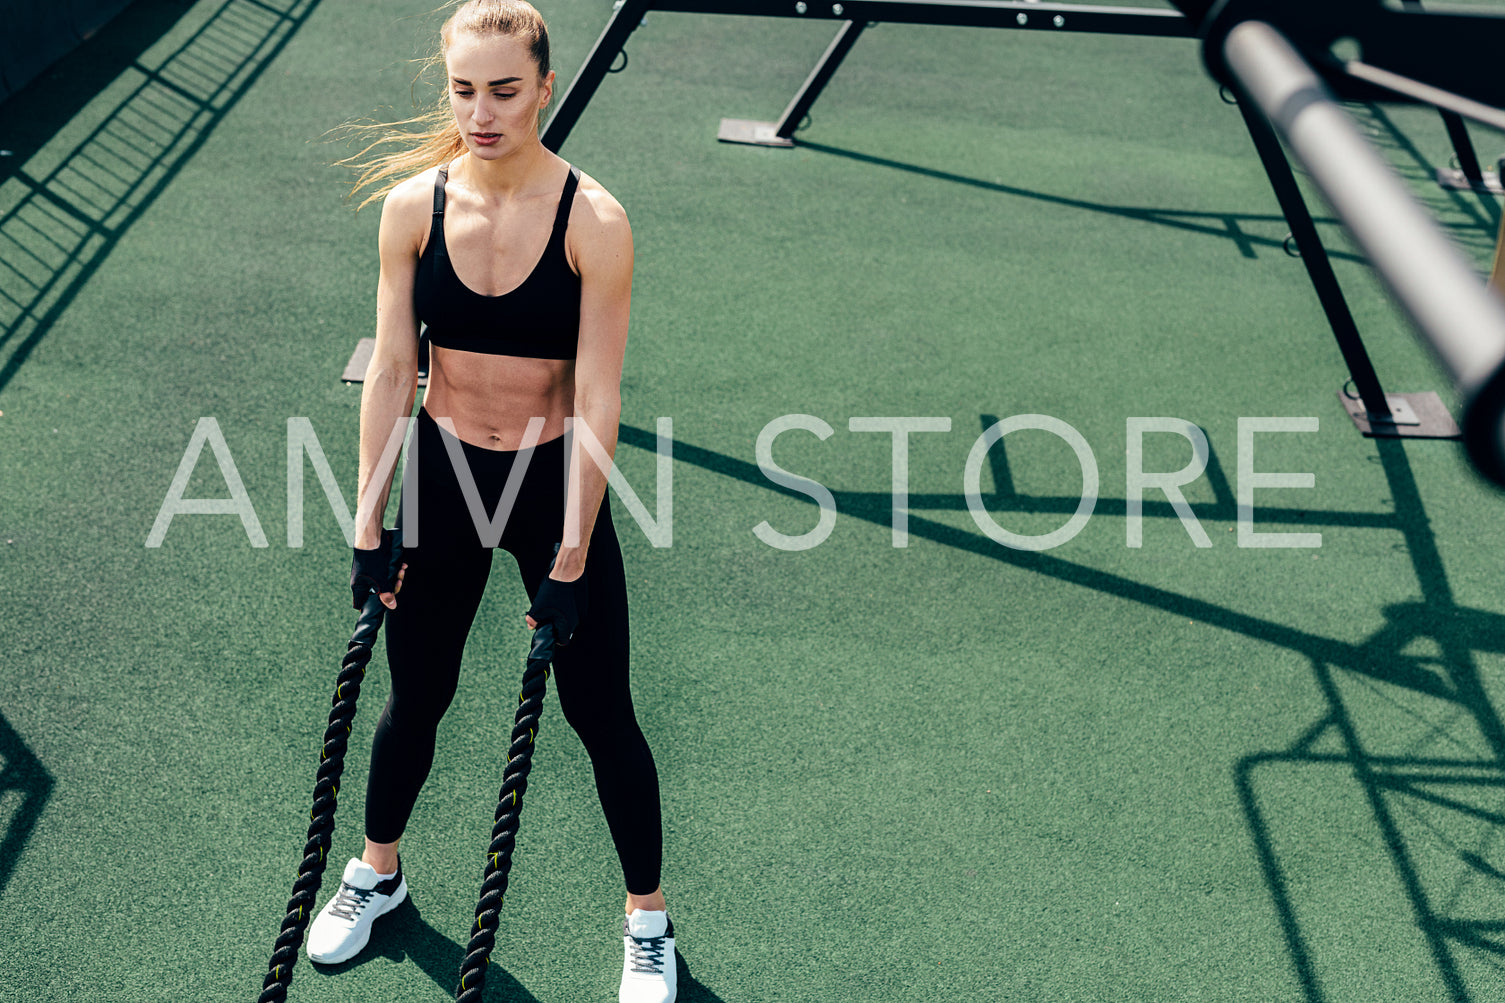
x=485, y=138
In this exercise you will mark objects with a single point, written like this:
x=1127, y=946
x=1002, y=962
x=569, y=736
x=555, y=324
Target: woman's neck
x=505, y=178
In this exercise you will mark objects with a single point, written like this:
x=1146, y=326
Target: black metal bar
x=958, y=13
x=1456, y=316
x=597, y=64
x=1318, y=266
x=1468, y=160
x=1457, y=50
x=830, y=60
x=1447, y=102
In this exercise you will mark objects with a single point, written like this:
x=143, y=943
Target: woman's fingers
x=389, y=599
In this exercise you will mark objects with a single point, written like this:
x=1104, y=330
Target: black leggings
x=441, y=592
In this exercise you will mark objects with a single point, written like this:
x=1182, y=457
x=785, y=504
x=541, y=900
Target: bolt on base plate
x=1412, y=416
x=745, y=130
x=1455, y=180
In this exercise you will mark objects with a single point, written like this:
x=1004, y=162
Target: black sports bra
x=540, y=319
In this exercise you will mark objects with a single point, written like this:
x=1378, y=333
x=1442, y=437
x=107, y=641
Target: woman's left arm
x=602, y=245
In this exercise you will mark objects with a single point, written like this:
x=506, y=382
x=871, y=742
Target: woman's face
x=495, y=92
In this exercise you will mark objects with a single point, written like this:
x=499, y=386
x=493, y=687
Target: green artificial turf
x=951, y=770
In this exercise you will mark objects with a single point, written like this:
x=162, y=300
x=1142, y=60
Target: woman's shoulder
x=600, y=239
x=407, y=209
x=596, y=209
x=412, y=193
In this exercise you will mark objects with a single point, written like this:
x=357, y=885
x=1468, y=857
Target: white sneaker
x=648, y=974
x=343, y=926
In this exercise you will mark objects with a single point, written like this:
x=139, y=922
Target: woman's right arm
x=392, y=375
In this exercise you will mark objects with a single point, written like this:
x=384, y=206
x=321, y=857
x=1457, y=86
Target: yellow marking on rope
x=530, y=736
x=514, y=799
x=277, y=972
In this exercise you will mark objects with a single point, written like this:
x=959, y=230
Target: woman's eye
x=462, y=94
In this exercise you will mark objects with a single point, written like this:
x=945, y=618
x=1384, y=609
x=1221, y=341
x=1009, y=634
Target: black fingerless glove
x=373, y=572
x=562, y=604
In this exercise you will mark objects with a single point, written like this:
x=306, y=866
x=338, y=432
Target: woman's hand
x=560, y=603
x=371, y=571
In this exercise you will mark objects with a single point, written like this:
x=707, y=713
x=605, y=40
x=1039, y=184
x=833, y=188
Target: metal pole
x=1459, y=319
x=1319, y=267
x=752, y=132
x=824, y=70
x=1468, y=160
x=597, y=64
x=1027, y=14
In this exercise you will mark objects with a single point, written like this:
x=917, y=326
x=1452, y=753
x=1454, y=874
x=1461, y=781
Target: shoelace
x=646, y=954
x=351, y=901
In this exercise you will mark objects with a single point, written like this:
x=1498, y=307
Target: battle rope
x=300, y=907
x=509, y=804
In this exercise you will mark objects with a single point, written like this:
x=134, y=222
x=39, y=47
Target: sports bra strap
x=436, y=226
x=567, y=199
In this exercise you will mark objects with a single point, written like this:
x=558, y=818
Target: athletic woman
x=521, y=268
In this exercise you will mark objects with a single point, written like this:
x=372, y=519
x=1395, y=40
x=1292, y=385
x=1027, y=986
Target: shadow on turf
x=1439, y=807
x=877, y=507
x=35, y=113
x=66, y=216
x=1442, y=674
x=1224, y=225
x=404, y=935
x=25, y=775
x=691, y=991
x=1385, y=134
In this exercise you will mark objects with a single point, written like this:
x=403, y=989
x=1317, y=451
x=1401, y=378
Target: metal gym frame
x=1278, y=57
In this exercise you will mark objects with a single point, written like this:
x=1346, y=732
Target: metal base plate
x=355, y=369
x=745, y=130
x=1417, y=416
x=1454, y=180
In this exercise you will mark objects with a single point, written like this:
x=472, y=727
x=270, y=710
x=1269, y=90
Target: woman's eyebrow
x=494, y=83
